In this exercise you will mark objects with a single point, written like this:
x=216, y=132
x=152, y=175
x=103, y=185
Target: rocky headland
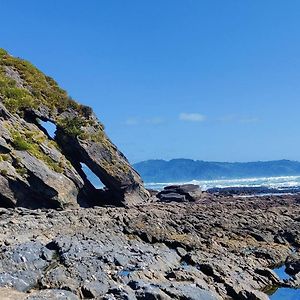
x=62, y=238
x=49, y=170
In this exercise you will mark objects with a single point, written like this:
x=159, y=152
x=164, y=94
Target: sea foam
x=281, y=182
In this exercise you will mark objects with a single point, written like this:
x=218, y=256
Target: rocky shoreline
x=218, y=247
x=62, y=238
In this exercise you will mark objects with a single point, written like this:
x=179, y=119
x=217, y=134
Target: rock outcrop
x=217, y=248
x=38, y=171
x=293, y=263
x=180, y=193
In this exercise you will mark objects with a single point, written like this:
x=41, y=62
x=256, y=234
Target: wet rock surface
x=217, y=248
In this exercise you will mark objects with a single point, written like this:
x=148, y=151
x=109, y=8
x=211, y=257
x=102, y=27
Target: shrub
x=20, y=143
x=2, y=52
x=3, y=172
x=72, y=126
x=4, y=157
x=86, y=111
x=21, y=171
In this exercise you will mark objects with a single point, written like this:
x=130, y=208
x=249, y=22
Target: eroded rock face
x=37, y=171
x=34, y=174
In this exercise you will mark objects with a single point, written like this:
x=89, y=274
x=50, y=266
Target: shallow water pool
x=284, y=293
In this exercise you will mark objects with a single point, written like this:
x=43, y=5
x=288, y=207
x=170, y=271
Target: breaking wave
x=282, y=182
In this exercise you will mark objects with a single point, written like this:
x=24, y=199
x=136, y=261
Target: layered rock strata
x=38, y=171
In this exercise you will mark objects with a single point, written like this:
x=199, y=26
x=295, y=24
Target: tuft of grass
x=3, y=172
x=72, y=126
x=3, y=52
x=39, y=89
x=4, y=157
x=21, y=171
x=31, y=141
x=19, y=143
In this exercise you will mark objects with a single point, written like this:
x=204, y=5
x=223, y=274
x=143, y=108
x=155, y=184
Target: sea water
x=281, y=182
x=284, y=293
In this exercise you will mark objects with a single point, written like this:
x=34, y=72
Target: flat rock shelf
x=219, y=247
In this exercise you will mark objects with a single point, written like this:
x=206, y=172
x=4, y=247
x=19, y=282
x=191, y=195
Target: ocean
x=280, y=183
x=285, y=183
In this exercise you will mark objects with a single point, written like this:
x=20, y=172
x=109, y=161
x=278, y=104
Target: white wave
x=279, y=182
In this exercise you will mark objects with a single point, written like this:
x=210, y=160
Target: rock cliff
x=39, y=171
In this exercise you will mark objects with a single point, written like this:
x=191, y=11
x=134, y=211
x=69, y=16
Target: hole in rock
x=92, y=177
x=49, y=127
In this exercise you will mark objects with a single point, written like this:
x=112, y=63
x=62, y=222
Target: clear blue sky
x=212, y=80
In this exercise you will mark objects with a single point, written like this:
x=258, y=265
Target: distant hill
x=187, y=169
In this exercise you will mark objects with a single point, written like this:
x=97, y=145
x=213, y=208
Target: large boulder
x=39, y=171
x=180, y=193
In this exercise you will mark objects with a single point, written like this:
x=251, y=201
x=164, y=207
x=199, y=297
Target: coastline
x=216, y=248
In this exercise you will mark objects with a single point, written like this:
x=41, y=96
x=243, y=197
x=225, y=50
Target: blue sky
x=210, y=80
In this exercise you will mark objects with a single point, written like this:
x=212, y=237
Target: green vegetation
x=14, y=98
x=72, y=126
x=4, y=157
x=31, y=141
x=29, y=89
x=23, y=88
x=2, y=52
x=37, y=89
x=21, y=171
x=3, y=172
x=20, y=143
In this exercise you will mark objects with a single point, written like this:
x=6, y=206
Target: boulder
x=180, y=193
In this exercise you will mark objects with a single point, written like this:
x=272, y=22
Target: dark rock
x=271, y=275
x=169, y=197
x=294, y=282
x=180, y=193
x=293, y=264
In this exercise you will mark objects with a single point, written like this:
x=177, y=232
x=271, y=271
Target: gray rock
x=54, y=294
x=293, y=264
x=94, y=289
x=153, y=293
x=50, y=175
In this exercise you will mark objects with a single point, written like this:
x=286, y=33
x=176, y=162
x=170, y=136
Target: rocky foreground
x=217, y=248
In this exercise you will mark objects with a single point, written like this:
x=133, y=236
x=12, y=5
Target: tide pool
x=284, y=293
